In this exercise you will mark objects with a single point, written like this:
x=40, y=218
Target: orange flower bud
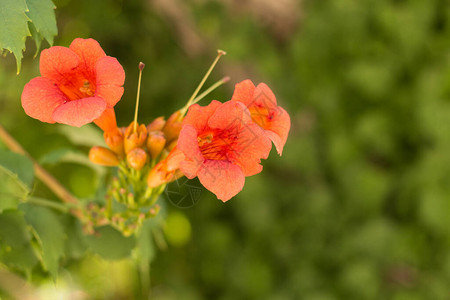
x=137, y=158
x=172, y=127
x=155, y=143
x=172, y=145
x=157, y=124
x=174, y=159
x=166, y=170
x=157, y=175
x=103, y=156
x=114, y=140
x=134, y=139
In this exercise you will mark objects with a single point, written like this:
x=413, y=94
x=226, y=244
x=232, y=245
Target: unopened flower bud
x=115, y=183
x=156, y=176
x=103, y=156
x=137, y=158
x=155, y=143
x=172, y=127
x=157, y=124
x=172, y=145
x=154, y=210
x=134, y=139
x=130, y=198
x=114, y=140
x=88, y=228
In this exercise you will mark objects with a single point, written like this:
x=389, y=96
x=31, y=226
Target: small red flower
x=77, y=84
x=265, y=112
x=221, y=145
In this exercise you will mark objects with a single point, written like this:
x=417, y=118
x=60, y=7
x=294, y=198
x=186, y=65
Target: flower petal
x=264, y=96
x=80, y=112
x=110, y=77
x=89, y=52
x=198, y=116
x=107, y=121
x=222, y=178
x=40, y=97
x=229, y=114
x=278, y=129
x=58, y=63
x=174, y=159
x=188, y=144
x=253, y=145
x=243, y=92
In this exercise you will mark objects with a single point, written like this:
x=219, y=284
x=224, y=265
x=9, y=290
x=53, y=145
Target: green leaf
x=49, y=233
x=17, y=166
x=87, y=135
x=76, y=241
x=16, y=177
x=11, y=193
x=41, y=13
x=110, y=243
x=15, y=241
x=37, y=38
x=13, y=27
x=66, y=155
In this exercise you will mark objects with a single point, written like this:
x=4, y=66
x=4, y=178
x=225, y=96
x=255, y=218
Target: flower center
x=87, y=89
x=217, y=145
x=261, y=115
x=78, y=90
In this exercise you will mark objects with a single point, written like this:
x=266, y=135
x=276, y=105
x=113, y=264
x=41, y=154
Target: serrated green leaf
x=13, y=163
x=11, y=192
x=37, y=38
x=15, y=246
x=42, y=15
x=49, y=233
x=16, y=177
x=110, y=243
x=14, y=27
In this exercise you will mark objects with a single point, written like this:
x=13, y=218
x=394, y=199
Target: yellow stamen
x=211, y=88
x=191, y=100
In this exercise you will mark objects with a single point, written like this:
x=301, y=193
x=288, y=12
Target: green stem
x=47, y=203
x=109, y=207
x=159, y=239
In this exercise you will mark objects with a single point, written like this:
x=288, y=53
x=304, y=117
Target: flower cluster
x=221, y=143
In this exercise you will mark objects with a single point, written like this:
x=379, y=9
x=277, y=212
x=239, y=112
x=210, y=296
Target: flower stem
x=47, y=203
x=40, y=172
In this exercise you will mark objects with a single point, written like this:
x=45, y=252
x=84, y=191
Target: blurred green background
x=358, y=206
